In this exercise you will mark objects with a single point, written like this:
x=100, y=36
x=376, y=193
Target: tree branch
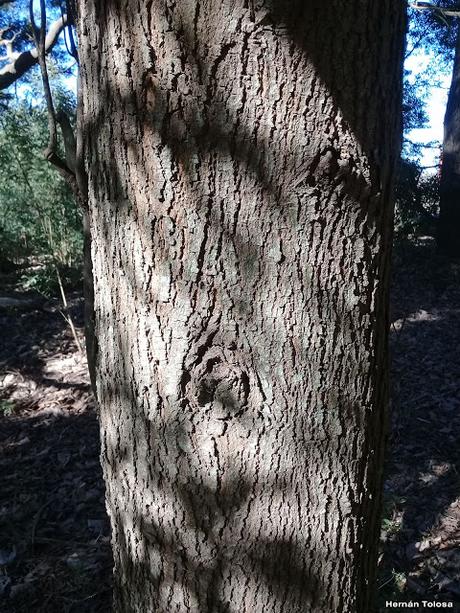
x=415, y=46
x=430, y=145
x=14, y=70
x=438, y=10
x=40, y=41
x=11, y=55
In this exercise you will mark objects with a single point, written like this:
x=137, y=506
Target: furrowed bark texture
x=449, y=210
x=240, y=161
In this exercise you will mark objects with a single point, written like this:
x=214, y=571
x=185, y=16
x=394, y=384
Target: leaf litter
x=54, y=533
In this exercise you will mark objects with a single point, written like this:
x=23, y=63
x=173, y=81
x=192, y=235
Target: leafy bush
x=6, y=408
x=44, y=279
x=417, y=201
x=37, y=209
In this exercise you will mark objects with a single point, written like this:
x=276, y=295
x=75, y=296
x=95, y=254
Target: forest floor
x=420, y=557
x=55, y=552
x=54, y=534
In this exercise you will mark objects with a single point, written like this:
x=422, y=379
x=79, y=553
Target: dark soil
x=54, y=534
x=421, y=520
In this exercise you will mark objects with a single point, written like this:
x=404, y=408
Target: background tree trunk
x=449, y=211
x=240, y=160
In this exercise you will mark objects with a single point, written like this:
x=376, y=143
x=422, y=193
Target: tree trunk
x=449, y=210
x=240, y=161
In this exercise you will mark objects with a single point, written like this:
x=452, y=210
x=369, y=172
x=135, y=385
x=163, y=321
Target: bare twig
x=36, y=520
x=67, y=315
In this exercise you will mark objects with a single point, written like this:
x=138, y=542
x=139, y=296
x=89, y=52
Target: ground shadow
x=53, y=525
x=423, y=459
x=54, y=533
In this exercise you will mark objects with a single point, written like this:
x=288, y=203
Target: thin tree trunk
x=449, y=211
x=240, y=160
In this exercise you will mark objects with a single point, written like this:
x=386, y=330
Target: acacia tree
x=240, y=159
x=240, y=162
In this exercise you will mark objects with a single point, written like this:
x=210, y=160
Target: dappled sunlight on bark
x=239, y=204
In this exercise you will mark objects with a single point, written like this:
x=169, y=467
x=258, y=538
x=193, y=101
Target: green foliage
x=417, y=200
x=6, y=408
x=38, y=214
x=392, y=516
x=429, y=52
x=390, y=526
x=44, y=279
x=431, y=31
x=430, y=45
x=415, y=94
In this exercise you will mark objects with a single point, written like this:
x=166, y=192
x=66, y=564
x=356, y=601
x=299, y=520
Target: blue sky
x=436, y=106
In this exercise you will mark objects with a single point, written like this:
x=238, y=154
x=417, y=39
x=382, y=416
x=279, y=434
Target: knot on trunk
x=220, y=384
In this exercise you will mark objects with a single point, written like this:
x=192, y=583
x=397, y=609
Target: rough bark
x=240, y=163
x=449, y=210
